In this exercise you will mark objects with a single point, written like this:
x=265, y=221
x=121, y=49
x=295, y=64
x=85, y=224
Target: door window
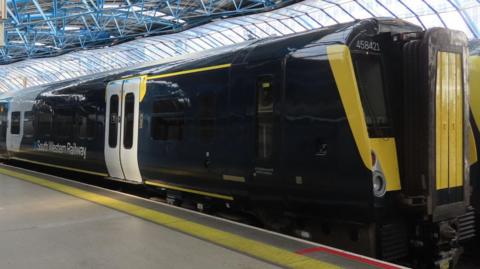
x=15, y=128
x=128, y=127
x=264, y=118
x=112, y=130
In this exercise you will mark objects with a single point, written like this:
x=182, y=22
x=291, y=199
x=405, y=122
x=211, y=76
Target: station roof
x=102, y=23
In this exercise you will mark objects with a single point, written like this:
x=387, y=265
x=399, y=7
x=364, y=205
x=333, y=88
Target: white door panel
x=129, y=131
x=121, y=129
x=112, y=129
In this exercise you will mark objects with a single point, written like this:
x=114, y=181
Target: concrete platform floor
x=42, y=228
x=45, y=228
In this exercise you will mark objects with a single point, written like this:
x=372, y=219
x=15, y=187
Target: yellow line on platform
x=250, y=247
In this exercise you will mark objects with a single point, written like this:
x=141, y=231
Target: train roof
x=253, y=50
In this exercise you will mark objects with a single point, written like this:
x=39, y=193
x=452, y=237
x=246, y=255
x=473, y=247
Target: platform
x=50, y=222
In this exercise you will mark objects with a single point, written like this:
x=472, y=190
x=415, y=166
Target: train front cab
x=416, y=141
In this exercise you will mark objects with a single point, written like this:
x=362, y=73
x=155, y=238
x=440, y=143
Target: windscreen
x=369, y=74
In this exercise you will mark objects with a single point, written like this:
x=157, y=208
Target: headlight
x=379, y=184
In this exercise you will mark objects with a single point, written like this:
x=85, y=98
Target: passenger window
x=15, y=126
x=44, y=123
x=166, y=128
x=167, y=106
x=264, y=117
x=207, y=116
x=86, y=125
x=129, y=117
x=63, y=123
x=28, y=124
x=168, y=119
x=369, y=75
x=113, y=128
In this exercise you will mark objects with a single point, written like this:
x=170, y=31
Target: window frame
x=31, y=119
x=267, y=117
x=374, y=130
x=113, y=132
x=171, y=119
x=15, y=129
x=128, y=122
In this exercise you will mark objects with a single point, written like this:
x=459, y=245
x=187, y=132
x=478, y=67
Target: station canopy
x=102, y=36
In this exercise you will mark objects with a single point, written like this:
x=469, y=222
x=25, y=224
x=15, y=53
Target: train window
x=264, y=111
x=44, y=119
x=129, y=113
x=86, y=125
x=28, y=124
x=167, y=119
x=368, y=70
x=15, y=126
x=63, y=120
x=167, y=128
x=168, y=105
x=206, y=113
x=113, y=128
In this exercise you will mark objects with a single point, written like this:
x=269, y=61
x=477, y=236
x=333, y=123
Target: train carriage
x=357, y=130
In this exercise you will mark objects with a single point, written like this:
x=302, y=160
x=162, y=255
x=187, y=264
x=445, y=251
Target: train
x=356, y=135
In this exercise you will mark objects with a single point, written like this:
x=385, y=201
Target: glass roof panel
x=222, y=39
x=281, y=27
x=308, y=22
x=275, y=16
x=375, y=8
x=465, y=3
x=473, y=14
x=232, y=35
x=453, y=20
x=431, y=21
x=338, y=14
x=440, y=5
x=269, y=30
x=398, y=8
x=243, y=32
x=419, y=7
x=320, y=4
x=294, y=25
x=414, y=20
x=322, y=18
x=356, y=10
x=307, y=14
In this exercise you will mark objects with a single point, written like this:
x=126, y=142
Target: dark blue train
x=355, y=134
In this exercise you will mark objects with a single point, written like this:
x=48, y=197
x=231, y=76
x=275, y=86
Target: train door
x=264, y=125
x=121, y=129
x=434, y=82
x=3, y=127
